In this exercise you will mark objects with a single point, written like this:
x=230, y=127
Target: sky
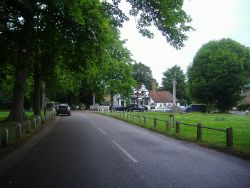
x=211, y=19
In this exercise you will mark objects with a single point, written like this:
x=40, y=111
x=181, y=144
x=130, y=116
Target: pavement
x=91, y=150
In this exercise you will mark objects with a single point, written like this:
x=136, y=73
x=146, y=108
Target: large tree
x=167, y=81
x=79, y=28
x=220, y=73
x=143, y=75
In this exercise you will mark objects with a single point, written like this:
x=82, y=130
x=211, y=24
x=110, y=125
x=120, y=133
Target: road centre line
x=102, y=131
x=125, y=152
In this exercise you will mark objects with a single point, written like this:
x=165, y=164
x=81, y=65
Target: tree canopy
x=143, y=75
x=72, y=41
x=220, y=73
x=167, y=81
x=168, y=17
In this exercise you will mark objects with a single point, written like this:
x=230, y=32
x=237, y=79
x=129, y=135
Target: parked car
x=146, y=107
x=119, y=108
x=135, y=107
x=196, y=108
x=247, y=112
x=162, y=109
x=63, y=109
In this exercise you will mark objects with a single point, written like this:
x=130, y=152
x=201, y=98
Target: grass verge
x=27, y=133
x=210, y=138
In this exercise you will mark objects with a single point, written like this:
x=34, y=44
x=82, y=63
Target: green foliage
x=167, y=16
x=167, y=81
x=219, y=73
x=75, y=40
x=143, y=75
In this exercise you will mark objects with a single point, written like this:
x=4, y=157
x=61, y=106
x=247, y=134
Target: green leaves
x=143, y=75
x=167, y=16
x=219, y=74
x=169, y=75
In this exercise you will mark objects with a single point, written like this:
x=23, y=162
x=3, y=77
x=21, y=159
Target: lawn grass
x=10, y=125
x=210, y=138
x=5, y=113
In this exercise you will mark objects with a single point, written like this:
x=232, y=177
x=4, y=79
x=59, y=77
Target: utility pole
x=174, y=92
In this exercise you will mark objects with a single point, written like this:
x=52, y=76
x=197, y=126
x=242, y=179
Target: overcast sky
x=212, y=20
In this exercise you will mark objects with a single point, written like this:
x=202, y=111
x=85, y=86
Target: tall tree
x=29, y=21
x=168, y=17
x=220, y=73
x=143, y=75
x=167, y=81
x=81, y=28
x=18, y=21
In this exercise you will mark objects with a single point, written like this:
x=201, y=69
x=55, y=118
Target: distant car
x=162, y=109
x=119, y=108
x=247, y=112
x=182, y=108
x=196, y=108
x=146, y=107
x=63, y=109
x=134, y=107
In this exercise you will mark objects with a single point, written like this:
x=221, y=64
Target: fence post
x=167, y=126
x=28, y=126
x=199, y=132
x=140, y=119
x=42, y=119
x=5, y=137
x=177, y=127
x=155, y=122
x=18, y=130
x=39, y=120
x=171, y=120
x=229, y=136
x=145, y=121
x=34, y=122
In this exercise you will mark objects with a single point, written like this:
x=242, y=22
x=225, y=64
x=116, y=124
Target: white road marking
x=125, y=152
x=102, y=131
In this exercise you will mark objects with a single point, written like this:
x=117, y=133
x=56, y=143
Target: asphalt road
x=90, y=150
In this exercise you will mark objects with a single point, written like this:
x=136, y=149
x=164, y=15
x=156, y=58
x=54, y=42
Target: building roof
x=161, y=96
x=246, y=100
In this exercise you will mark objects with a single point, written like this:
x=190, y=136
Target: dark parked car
x=134, y=107
x=63, y=109
x=196, y=108
x=119, y=108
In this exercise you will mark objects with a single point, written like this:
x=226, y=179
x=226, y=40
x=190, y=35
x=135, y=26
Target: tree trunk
x=112, y=100
x=43, y=102
x=37, y=91
x=25, y=46
x=17, y=110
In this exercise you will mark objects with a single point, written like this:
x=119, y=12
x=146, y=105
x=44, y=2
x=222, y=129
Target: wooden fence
x=172, y=124
x=24, y=127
